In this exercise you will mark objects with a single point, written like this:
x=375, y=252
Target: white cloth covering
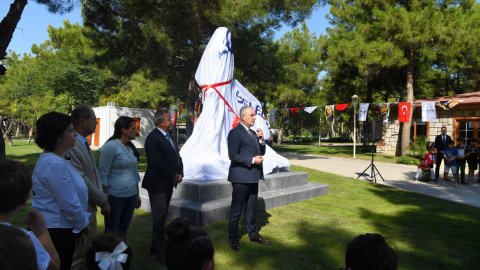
x=205, y=153
x=429, y=112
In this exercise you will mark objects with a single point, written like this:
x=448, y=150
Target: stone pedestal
x=204, y=202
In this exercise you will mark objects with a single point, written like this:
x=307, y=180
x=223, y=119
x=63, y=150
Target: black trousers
x=243, y=194
x=64, y=242
x=159, y=203
x=438, y=162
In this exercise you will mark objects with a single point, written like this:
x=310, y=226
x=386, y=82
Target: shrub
x=419, y=147
x=407, y=160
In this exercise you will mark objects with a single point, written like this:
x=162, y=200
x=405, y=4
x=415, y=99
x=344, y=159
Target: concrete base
x=204, y=202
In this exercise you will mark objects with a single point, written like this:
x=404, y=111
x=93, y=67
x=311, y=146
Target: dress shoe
x=234, y=244
x=259, y=239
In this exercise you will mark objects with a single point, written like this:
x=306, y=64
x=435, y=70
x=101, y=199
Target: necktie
x=443, y=138
x=251, y=132
x=169, y=137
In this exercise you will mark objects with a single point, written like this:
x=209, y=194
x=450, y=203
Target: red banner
x=404, y=109
x=341, y=107
x=294, y=110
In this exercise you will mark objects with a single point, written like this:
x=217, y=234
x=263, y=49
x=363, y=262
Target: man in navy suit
x=164, y=171
x=441, y=143
x=245, y=149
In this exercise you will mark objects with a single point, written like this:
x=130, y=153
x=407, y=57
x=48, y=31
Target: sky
x=32, y=27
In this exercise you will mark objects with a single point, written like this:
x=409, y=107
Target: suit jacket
x=439, y=144
x=242, y=148
x=84, y=163
x=163, y=163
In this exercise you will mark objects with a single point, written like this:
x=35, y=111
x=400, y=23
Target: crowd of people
x=67, y=187
x=455, y=158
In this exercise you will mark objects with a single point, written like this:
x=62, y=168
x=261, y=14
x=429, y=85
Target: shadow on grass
x=314, y=248
x=451, y=229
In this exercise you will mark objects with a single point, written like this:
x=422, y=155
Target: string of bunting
x=383, y=110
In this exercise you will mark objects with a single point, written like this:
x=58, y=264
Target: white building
x=106, y=117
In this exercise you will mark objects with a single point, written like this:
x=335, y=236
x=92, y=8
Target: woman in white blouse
x=58, y=191
x=119, y=175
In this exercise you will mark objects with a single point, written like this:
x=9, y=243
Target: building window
x=137, y=127
x=418, y=129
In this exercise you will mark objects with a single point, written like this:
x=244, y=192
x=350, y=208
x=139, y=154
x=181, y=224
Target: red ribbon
x=214, y=87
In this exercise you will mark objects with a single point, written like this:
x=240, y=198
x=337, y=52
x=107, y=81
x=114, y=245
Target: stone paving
x=395, y=175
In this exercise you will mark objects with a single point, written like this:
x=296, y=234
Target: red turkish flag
x=404, y=109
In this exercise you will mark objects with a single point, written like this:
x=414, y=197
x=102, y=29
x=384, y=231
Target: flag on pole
x=362, y=114
x=404, y=109
x=310, y=109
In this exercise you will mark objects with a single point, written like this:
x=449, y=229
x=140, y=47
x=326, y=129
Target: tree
x=371, y=38
x=299, y=56
x=165, y=39
x=8, y=26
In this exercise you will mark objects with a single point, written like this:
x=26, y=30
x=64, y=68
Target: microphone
x=260, y=139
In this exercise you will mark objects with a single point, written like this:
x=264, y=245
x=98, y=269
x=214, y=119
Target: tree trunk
x=406, y=126
x=3, y=155
x=8, y=26
x=30, y=134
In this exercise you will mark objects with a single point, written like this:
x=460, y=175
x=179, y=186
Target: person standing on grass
x=441, y=143
x=84, y=122
x=119, y=176
x=246, y=155
x=58, y=191
x=164, y=171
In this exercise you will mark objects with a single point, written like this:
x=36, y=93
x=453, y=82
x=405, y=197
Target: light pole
x=354, y=103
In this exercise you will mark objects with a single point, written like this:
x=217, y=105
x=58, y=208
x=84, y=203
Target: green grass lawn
x=340, y=151
x=28, y=153
x=427, y=233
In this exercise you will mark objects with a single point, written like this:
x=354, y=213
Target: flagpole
x=320, y=128
x=354, y=103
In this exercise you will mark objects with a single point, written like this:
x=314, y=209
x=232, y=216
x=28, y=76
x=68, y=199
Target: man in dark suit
x=164, y=171
x=441, y=142
x=245, y=149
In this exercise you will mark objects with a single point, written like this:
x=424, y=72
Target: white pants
x=418, y=175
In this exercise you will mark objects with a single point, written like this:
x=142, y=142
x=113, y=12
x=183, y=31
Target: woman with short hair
x=58, y=191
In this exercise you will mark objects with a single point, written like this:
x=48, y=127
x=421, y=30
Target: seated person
x=107, y=246
x=188, y=247
x=450, y=156
x=424, y=172
x=16, y=249
x=430, y=157
x=370, y=252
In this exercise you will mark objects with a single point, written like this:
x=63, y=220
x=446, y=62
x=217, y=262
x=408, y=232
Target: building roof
x=465, y=98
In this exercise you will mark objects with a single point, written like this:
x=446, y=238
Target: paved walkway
x=395, y=175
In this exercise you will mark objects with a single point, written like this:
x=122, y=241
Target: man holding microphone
x=245, y=150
